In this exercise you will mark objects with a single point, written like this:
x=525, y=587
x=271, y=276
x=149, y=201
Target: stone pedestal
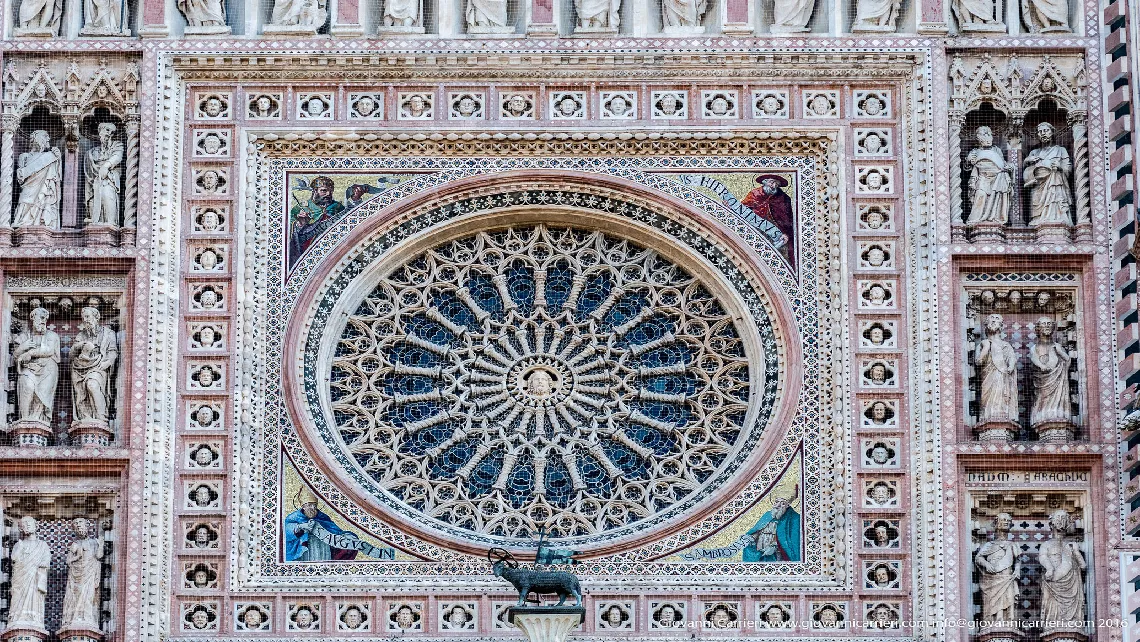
x=1054, y=233
x=870, y=28
x=127, y=237
x=289, y=30
x=210, y=30
x=683, y=31
x=23, y=634
x=33, y=235
x=490, y=31
x=997, y=431
x=1054, y=432
x=1082, y=233
x=781, y=30
x=594, y=31
x=35, y=32
x=103, y=32
x=987, y=232
x=399, y=31
x=98, y=235
x=998, y=27
x=1000, y=632
x=546, y=623
x=1064, y=634
x=30, y=434
x=79, y=635
x=90, y=432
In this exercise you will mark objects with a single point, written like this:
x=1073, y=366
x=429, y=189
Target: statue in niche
x=31, y=557
x=203, y=13
x=791, y=16
x=997, y=363
x=39, y=17
x=1062, y=585
x=102, y=174
x=84, y=568
x=999, y=567
x=685, y=14
x=40, y=174
x=991, y=181
x=1050, y=362
x=876, y=15
x=400, y=14
x=597, y=15
x=307, y=14
x=102, y=17
x=1047, y=172
x=1046, y=16
x=977, y=15
x=486, y=15
x=94, y=353
x=36, y=355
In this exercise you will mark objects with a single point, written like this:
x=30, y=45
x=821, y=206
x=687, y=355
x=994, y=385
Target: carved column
x=957, y=217
x=131, y=189
x=1013, y=155
x=69, y=216
x=7, y=176
x=1083, y=231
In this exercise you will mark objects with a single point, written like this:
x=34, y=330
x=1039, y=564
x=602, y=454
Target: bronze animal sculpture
x=527, y=581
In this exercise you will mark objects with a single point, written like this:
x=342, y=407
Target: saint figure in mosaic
x=776, y=536
x=310, y=219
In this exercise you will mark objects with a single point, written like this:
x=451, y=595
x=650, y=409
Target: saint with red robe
x=770, y=203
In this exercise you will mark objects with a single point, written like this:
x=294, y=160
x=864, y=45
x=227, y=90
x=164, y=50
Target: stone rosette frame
x=809, y=406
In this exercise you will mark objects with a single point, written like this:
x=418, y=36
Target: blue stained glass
x=520, y=483
x=451, y=307
x=520, y=282
x=669, y=413
x=411, y=355
x=661, y=443
x=626, y=308
x=559, y=486
x=486, y=295
x=669, y=384
x=408, y=385
x=448, y=463
x=665, y=356
x=485, y=473
x=428, y=330
x=558, y=283
x=595, y=290
x=412, y=412
x=594, y=476
x=630, y=464
x=419, y=442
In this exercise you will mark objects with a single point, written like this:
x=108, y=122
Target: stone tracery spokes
x=538, y=377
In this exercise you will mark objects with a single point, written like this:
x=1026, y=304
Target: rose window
x=540, y=377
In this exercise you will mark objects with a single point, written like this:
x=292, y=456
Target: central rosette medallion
x=537, y=377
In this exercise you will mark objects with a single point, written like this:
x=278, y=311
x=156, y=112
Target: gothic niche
x=63, y=368
x=71, y=150
x=64, y=544
x=1023, y=359
x=1031, y=565
x=1019, y=151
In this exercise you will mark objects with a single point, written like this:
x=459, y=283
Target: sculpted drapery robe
x=203, y=13
x=1050, y=383
x=81, y=596
x=40, y=14
x=975, y=11
x=991, y=186
x=1045, y=14
x=96, y=372
x=103, y=14
x=487, y=13
x=1062, y=588
x=683, y=13
x=307, y=13
x=879, y=13
x=101, y=171
x=1047, y=171
x=792, y=13
x=401, y=10
x=997, y=580
x=30, y=561
x=38, y=375
x=604, y=13
x=998, y=363
x=40, y=175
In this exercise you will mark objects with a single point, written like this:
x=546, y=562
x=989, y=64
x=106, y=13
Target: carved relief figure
x=486, y=14
x=42, y=16
x=40, y=174
x=791, y=15
x=310, y=14
x=876, y=15
x=999, y=566
x=991, y=181
x=1046, y=16
x=975, y=14
x=1050, y=362
x=102, y=172
x=84, y=567
x=31, y=557
x=597, y=15
x=102, y=16
x=94, y=351
x=683, y=13
x=1062, y=584
x=203, y=13
x=36, y=354
x=1047, y=172
x=400, y=13
x=997, y=363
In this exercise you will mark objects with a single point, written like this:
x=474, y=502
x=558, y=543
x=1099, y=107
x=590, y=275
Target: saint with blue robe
x=300, y=544
x=776, y=535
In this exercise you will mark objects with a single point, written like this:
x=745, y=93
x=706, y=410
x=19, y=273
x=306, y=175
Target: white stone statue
x=203, y=13
x=997, y=362
x=84, y=568
x=977, y=15
x=102, y=18
x=31, y=558
x=1050, y=361
x=1062, y=585
x=999, y=568
x=876, y=15
x=93, y=355
x=484, y=16
x=102, y=171
x=991, y=181
x=40, y=174
x=791, y=16
x=1046, y=16
x=39, y=17
x=597, y=15
x=403, y=14
x=303, y=14
x=683, y=14
x=36, y=355
x=1047, y=172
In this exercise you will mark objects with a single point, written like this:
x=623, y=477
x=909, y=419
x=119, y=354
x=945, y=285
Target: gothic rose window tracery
x=540, y=377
